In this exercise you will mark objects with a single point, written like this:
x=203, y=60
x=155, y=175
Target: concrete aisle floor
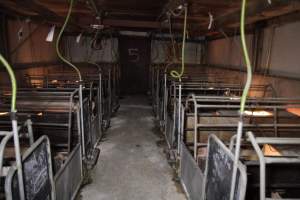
x=131, y=165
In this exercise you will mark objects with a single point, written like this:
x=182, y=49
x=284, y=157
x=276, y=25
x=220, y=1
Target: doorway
x=135, y=55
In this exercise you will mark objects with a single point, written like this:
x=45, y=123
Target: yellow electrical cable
x=174, y=73
x=59, y=37
x=13, y=82
x=246, y=57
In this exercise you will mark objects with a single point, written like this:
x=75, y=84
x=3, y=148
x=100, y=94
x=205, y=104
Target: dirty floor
x=131, y=165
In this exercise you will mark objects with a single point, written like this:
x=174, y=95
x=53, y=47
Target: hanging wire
x=246, y=57
x=174, y=73
x=13, y=82
x=59, y=38
x=243, y=100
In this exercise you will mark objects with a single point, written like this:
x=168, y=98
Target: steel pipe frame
x=90, y=77
x=70, y=97
x=177, y=86
x=71, y=108
x=193, y=99
x=263, y=161
x=9, y=178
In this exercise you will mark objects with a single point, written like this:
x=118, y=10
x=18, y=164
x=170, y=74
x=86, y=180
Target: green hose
x=174, y=73
x=246, y=57
x=59, y=37
x=13, y=82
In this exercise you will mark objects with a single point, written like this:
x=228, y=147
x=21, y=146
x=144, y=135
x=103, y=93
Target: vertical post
x=195, y=129
x=100, y=103
x=179, y=112
x=110, y=94
x=18, y=155
x=262, y=166
x=30, y=131
x=157, y=94
x=165, y=101
x=275, y=113
x=80, y=139
x=236, y=157
x=81, y=120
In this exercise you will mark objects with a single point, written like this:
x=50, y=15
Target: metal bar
x=81, y=120
x=4, y=141
x=179, y=118
x=262, y=166
x=281, y=141
x=18, y=159
x=30, y=131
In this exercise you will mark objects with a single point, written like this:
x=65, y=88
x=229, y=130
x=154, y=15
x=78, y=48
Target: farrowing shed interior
x=169, y=99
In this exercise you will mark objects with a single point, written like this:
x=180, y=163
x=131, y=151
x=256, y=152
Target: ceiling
x=150, y=15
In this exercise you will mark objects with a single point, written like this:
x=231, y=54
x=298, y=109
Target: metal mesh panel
x=190, y=175
x=69, y=177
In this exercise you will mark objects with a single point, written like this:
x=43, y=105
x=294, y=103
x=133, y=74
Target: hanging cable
x=59, y=38
x=246, y=57
x=243, y=100
x=79, y=75
x=15, y=126
x=174, y=73
x=13, y=82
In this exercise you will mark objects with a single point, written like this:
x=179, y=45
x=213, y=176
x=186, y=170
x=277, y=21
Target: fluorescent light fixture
x=78, y=38
x=50, y=35
x=97, y=26
x=260, y=113
x=40, y=114
x=211, y=20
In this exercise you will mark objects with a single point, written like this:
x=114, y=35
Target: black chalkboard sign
x=37, y=173
x=219, y=169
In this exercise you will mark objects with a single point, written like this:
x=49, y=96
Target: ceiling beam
x=43, y=12
x=256, y=9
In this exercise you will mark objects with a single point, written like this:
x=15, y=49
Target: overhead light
x=54, y=81
x=295, y=111
x=211, y=20
x=180, y=7
x=3, y=113
x=40, y=114
x=260, y=113
x=78, y=38
x=97, y=26
x=269, y=150
x=50, y=35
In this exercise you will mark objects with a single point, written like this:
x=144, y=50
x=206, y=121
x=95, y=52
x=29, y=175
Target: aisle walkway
x=131, y=165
